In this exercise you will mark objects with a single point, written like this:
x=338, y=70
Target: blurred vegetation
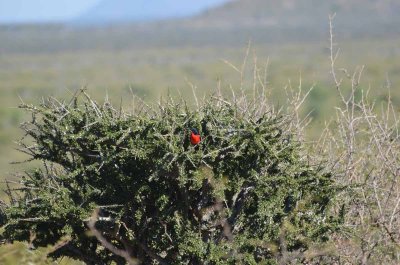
x=152, y=72
x=22, y=253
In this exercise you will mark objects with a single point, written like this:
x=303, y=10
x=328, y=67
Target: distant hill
x=353, y=16
x=114, y=11
x=210, y=23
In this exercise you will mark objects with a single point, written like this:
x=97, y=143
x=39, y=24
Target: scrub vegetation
x=244, y=194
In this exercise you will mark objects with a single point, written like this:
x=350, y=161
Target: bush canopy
x=130, y=187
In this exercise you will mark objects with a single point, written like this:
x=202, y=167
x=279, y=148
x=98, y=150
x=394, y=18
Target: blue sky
x=25, y=11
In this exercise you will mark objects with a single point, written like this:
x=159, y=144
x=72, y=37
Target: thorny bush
x=243, y=195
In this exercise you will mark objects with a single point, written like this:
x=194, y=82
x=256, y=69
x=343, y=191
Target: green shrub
x=244, y=195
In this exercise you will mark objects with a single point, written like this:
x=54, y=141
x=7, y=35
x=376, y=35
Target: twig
x=122, y=253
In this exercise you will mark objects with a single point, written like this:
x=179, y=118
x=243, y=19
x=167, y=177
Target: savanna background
x=150, y=49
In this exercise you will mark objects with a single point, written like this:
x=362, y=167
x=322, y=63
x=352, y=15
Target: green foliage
x=244, y=195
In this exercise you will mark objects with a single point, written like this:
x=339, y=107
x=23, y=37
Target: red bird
x=195, y=137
